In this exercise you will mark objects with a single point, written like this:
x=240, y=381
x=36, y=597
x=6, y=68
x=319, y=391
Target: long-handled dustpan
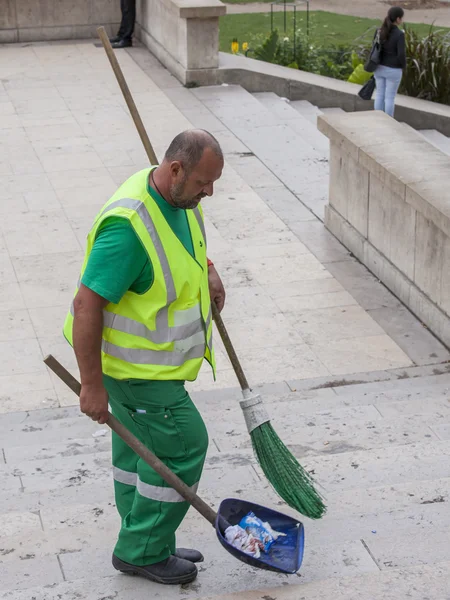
x=284, y=556
x=289, y=479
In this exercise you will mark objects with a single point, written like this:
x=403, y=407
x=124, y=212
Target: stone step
x=412, y=130
x=308, y=110
x=421, y=461
x=49, y=431
x=343, y=436
x=284, y=112
x=331, y=425
x=45, y=482
x=414, y=583
x=55, y=433
x=22, y=419
x=390, y=584
x=86, y=568
x=332, y=111
x=286, y=156
x=438, y=139
x=403, y=397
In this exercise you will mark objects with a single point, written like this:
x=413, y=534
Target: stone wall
x=182, y=34
x=36, y=20
x=389, y=204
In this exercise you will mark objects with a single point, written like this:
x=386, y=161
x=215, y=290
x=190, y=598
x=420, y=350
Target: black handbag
x=375, y=54
x=366, y=92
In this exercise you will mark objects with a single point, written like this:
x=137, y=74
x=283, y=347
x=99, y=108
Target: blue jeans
x=388, y=81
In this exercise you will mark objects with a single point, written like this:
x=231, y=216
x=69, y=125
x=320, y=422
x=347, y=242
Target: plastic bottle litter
x=252, y=536
x=100, y=433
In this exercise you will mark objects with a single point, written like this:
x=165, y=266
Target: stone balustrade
x=389, y=204
x=182, y=34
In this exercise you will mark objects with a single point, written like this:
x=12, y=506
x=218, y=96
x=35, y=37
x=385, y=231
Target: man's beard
x=178, y=198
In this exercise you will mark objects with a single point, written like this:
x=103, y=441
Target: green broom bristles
x=288, y=478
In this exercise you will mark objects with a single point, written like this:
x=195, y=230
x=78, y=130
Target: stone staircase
x=378, y=442
x=282, y=135
x=380, y=451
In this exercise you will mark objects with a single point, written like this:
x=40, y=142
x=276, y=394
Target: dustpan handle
x=138, y=447
x=229, y=347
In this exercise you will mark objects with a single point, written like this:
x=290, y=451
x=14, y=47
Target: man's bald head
x=188, y=148
x=191, y=165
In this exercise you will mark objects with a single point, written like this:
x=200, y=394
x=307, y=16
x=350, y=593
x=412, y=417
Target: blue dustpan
x=284, y=556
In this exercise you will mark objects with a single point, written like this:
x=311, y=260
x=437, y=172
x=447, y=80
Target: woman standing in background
x=388, y=74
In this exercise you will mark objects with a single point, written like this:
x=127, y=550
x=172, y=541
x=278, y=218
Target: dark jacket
x=393, y=53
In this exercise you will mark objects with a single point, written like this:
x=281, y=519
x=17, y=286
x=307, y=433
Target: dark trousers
x=128, y=8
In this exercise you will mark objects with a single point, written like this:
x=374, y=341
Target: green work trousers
x=162, y=416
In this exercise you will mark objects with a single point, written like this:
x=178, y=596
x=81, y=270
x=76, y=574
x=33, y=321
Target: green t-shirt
x=118, y=261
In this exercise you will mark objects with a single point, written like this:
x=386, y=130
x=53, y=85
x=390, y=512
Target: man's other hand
x=216, y=289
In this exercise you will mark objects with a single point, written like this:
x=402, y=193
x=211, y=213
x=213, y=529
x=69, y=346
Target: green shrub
x=427, y=74
x=332, y=62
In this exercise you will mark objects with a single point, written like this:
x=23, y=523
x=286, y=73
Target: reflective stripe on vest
x=154, y=357
x=165, y=334
x=152, y=492
x=200, y=222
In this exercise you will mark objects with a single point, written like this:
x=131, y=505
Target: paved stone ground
x=357, y=387
x=372, y=9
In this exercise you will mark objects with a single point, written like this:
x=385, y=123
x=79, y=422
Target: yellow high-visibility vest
x=166, y=332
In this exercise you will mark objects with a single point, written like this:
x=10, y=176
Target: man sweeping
x=141, y=325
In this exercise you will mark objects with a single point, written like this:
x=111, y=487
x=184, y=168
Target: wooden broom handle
x=154, y=161
x=127, y=95
x=141, y=450
x=229, y=347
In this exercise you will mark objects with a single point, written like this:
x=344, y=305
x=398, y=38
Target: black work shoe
x=122, y=44
x=171, y=571
x=115, y=39
x=193, y=556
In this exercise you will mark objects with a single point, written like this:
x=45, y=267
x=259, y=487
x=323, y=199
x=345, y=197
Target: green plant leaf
x=268, y=49
x=355, y=60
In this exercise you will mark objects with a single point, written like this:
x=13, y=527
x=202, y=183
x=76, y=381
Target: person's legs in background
x=380, y=90
x=393, y=79
x=119, y=34
x=129, y=17
x=125, y=33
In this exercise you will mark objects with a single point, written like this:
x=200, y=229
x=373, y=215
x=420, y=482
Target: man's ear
x=175, y=168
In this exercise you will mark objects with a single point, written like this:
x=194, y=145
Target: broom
x=288, y=478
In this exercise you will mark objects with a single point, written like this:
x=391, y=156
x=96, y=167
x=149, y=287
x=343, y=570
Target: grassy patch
x=327, y=29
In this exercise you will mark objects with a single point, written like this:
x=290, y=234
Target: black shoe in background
x=122, y=44
x=115, y=39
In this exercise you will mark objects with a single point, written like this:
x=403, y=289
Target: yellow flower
x=244, y=47
x=234, y=46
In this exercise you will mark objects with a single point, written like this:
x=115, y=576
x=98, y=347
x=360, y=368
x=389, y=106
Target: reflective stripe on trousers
x=152, y=492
